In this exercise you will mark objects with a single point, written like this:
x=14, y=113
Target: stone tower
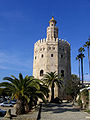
x=52, y=54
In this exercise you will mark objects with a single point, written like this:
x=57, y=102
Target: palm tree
x=87, y=44
x=81, y=56
x=23, y=89
x=39, y=91
x=15, y=87
x=3, y=93
x=50, y=79
x=77, y=58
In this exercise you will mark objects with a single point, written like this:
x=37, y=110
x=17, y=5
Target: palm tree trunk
x=20, y=108
x=88, y=59
x=82, y=70
x=31, y=103
x=27, y=107
x=52, y=92
x=79, y=69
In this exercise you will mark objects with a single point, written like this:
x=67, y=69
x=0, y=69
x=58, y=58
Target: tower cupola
x=52, y=30
x=52, y=22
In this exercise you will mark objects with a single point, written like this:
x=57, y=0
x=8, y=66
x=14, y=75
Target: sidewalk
x=65, y=111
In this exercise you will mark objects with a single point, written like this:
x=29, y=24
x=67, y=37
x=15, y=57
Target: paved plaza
x=65, y=111
x=51, y=111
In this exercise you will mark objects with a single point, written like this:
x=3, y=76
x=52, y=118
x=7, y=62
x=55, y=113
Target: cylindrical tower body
x=52, y=55
x=64, y=66
x=40, y=59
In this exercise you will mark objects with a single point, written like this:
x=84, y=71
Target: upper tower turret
x=52, y=22
x=52, y=30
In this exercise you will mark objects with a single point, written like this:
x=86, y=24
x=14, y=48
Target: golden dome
x=53, y=20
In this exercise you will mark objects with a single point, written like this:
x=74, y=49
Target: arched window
x=61, y=56
x=62, y=73
x=41, y=72
x=43, y=48
x=49, y=48
x=40, y=49
x=42, y=55
x=51, y=55
x=35, y=57
x=53, y=48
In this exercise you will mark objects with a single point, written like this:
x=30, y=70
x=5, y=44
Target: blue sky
x=23, y=22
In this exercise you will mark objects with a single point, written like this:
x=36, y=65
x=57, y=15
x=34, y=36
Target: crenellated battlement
x=42, y=41
x=62, y=41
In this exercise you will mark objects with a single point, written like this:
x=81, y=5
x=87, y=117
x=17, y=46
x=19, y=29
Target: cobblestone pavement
x=65, y=111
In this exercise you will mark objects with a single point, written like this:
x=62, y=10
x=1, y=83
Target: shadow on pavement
x=59, y=108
